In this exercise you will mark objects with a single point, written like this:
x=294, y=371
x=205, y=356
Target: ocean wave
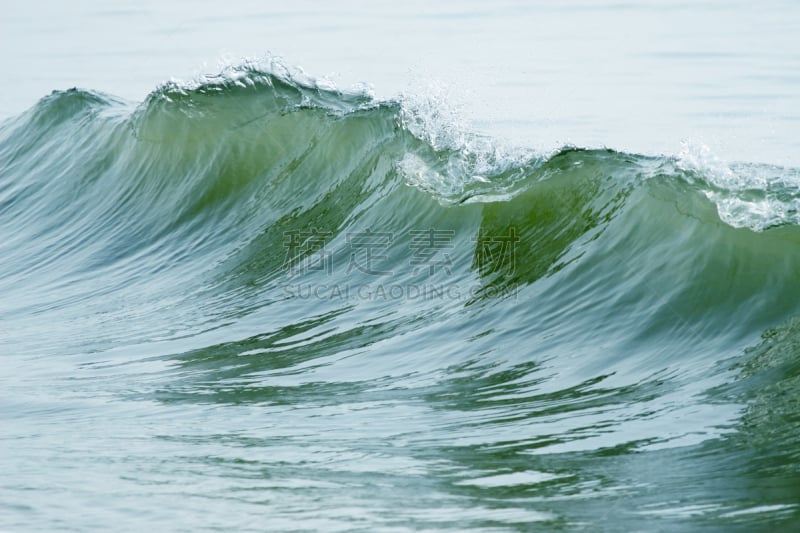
x=265, y=246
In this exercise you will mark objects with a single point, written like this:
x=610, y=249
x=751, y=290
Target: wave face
x=257, y=299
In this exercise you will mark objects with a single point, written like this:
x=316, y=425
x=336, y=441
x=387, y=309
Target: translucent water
x=541, y=275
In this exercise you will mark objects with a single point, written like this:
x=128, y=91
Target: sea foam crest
x=249, y=72
x=465, y=160
x=747, y=195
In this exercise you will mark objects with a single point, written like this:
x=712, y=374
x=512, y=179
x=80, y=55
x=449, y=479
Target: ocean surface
x=493, y=267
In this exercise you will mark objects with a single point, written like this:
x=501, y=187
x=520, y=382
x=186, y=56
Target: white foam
x=746, y=195
x=435, y=114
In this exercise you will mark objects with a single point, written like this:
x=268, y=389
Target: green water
x=257, y=304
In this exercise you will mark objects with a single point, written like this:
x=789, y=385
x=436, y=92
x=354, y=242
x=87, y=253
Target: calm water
x=531, y=266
